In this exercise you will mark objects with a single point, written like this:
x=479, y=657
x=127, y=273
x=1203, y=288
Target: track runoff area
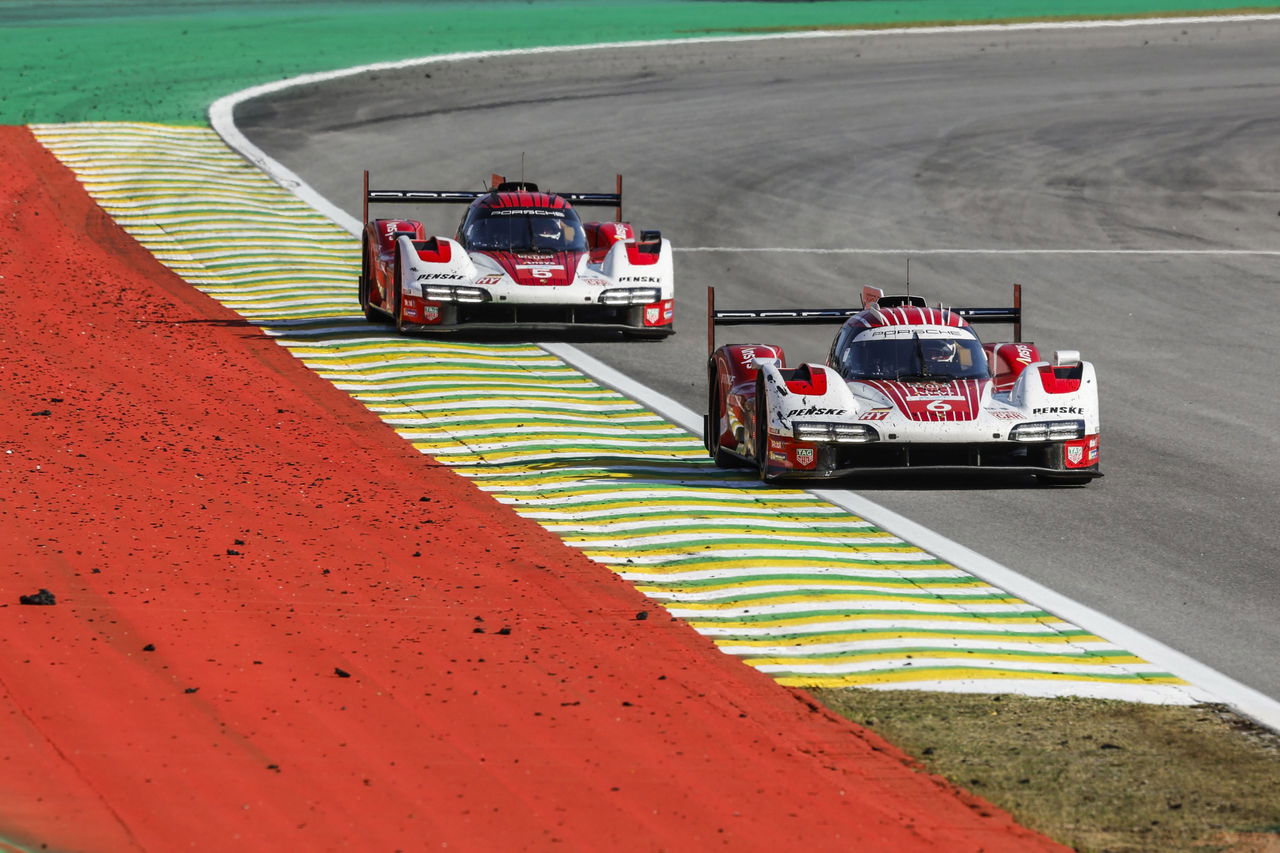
x=747, y=594
x=320, y=685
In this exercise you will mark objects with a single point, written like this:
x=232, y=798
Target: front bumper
x=791, y=459
x=422, y=316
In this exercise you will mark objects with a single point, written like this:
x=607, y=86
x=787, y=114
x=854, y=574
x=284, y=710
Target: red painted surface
x=957, y=400
x=1060, y=380
x=501, y=691
x=808, y=380
x=537, y=269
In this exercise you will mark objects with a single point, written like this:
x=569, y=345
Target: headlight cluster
x=840, y=433
x=1048, y=431
x=450, y=293
x=630, y=296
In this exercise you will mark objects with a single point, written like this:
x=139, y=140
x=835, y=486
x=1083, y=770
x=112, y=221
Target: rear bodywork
x=1006, y=407
x=496, y=273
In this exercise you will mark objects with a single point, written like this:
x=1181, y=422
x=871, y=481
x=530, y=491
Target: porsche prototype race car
x=905, y=385
x=521, y=259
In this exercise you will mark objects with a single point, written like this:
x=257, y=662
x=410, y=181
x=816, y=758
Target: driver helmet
x=548, y=229
x=940, y=352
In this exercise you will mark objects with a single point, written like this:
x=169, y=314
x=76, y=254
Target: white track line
x=1212, y=685
x=737, y=250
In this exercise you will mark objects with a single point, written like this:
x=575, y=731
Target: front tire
x=372, y=314
x=762, y=434
x=722, y=457
x=1062, y=480
x=397, y=302
x=649, y=334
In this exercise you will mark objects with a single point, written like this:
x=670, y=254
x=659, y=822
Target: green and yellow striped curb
x=791, y=584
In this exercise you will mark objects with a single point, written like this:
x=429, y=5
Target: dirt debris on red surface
x=278, y=626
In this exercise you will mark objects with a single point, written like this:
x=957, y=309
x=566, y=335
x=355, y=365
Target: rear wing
x=872, y=297
x=496, y=183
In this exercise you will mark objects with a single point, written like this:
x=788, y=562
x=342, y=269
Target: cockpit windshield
x=521, y=229
x=918, y=358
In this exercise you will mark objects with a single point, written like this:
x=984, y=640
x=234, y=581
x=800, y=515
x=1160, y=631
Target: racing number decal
x=540, y=271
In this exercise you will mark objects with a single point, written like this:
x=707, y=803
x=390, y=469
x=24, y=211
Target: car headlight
x=450, y=293
x=630, y=296
x=839, y=433
x=1048, y=431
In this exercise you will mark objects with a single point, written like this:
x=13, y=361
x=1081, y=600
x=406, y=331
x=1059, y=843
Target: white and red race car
x=905, y=386
x=521, y=259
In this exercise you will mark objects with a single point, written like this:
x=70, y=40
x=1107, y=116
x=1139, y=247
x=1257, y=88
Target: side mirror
x=1066, y=358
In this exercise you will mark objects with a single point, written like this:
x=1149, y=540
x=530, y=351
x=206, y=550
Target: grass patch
x=1096, y=775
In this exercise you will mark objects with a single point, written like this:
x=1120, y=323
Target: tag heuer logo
x=804, y=456
x=1075, y=454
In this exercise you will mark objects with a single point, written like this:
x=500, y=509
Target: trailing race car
x=904, y=386
x=521, y=259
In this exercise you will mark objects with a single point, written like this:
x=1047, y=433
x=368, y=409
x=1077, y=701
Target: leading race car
x=905, y=385
x=521, y=259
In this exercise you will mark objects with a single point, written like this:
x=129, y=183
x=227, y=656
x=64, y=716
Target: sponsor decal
x=525, y=211
x=1058, y=410
x=897, y=332
x=777, y=457
x=620, y=231
x=775, y=444
x=651, y=315
x=1024, y=354
x=875, y=415
x=1080, y=453
x=488, y=279
x=812, y=411
x=431, y=313
x=540, y=270
x=597, y=282
x=1006, y=415
x=804, y=456
x=930, y=392
x=748, y=356
x=642, y=279
x=439, y=276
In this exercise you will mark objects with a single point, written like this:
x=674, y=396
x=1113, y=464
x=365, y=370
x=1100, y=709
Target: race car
x=521, y=259
x=904, y=386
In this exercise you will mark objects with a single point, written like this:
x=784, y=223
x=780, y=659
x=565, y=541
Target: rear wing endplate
x=496, y=182
x=871, y=297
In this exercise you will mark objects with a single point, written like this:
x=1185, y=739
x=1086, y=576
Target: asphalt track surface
x=1143, y=157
